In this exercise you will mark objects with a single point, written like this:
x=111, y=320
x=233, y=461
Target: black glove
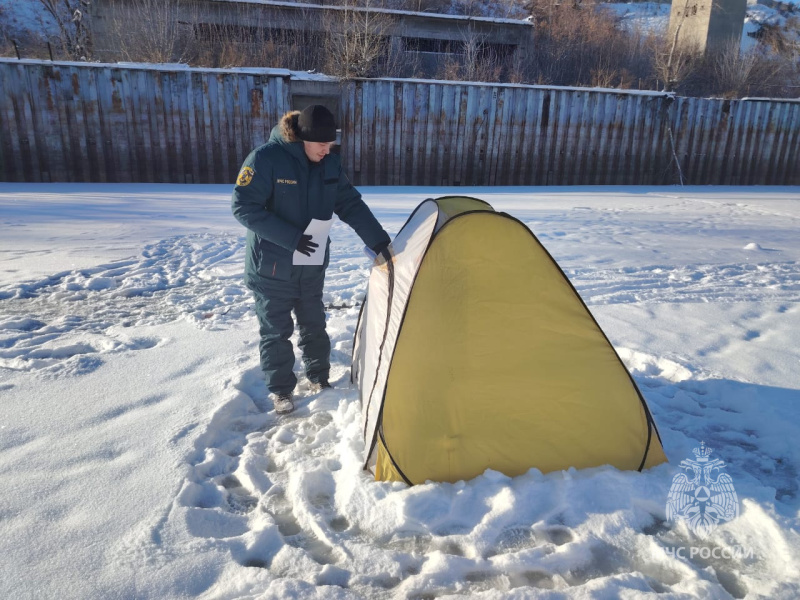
x=306, y=246
x=382, y=249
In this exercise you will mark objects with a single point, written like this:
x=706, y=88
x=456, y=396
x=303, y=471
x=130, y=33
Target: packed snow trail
x=287, y=495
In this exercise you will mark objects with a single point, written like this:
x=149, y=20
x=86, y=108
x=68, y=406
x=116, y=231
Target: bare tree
x=604, y=76
x=156, y=31
x=70, y=16
x=358, y=43
x=674, y=63
x=481, y=61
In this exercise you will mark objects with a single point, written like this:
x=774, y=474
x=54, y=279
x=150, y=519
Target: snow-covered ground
x=139, y=457
x=650, y=17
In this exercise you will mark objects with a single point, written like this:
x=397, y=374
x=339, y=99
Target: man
x=282, y=185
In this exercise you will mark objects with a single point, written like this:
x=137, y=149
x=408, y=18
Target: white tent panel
x=371, y=369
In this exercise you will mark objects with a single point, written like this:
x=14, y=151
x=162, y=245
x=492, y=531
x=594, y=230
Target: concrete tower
x=704, y=25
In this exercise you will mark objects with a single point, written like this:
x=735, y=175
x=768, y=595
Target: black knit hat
x=315, y=123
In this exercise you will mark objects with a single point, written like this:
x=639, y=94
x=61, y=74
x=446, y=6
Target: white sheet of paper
x=318, y=230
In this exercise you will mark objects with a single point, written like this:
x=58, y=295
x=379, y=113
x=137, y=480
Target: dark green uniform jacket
x=279, y=191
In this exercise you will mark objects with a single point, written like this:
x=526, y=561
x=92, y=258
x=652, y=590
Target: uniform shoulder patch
x=245, y=176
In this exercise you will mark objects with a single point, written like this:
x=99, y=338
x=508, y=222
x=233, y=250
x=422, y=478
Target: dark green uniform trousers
x=275, y=301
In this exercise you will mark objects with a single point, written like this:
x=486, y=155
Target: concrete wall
x=727, y=21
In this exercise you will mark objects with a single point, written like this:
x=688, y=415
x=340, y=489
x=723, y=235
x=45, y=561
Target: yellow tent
x=474, y=351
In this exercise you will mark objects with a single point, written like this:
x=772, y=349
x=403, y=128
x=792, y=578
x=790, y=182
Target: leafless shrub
x=733, y=70
x=580, y=44
x=673, y=64
x=729, y=73
x=449, y=69
x=358, y=42
x=150, y=31
x=74, y=29
x=474, y=59
x=225, y=45
x=481, y=62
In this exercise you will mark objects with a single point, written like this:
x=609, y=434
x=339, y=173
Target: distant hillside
x=27, y=20
x=19, y=18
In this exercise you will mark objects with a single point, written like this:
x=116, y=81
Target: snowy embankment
x=139, y=457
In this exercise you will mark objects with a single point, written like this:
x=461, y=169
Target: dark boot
x=283, y=403
x=319, y=386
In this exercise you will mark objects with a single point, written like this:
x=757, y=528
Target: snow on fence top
x=306, y=76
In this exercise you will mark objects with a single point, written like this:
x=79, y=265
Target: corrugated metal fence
x=111, y=123
x=68, y=122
